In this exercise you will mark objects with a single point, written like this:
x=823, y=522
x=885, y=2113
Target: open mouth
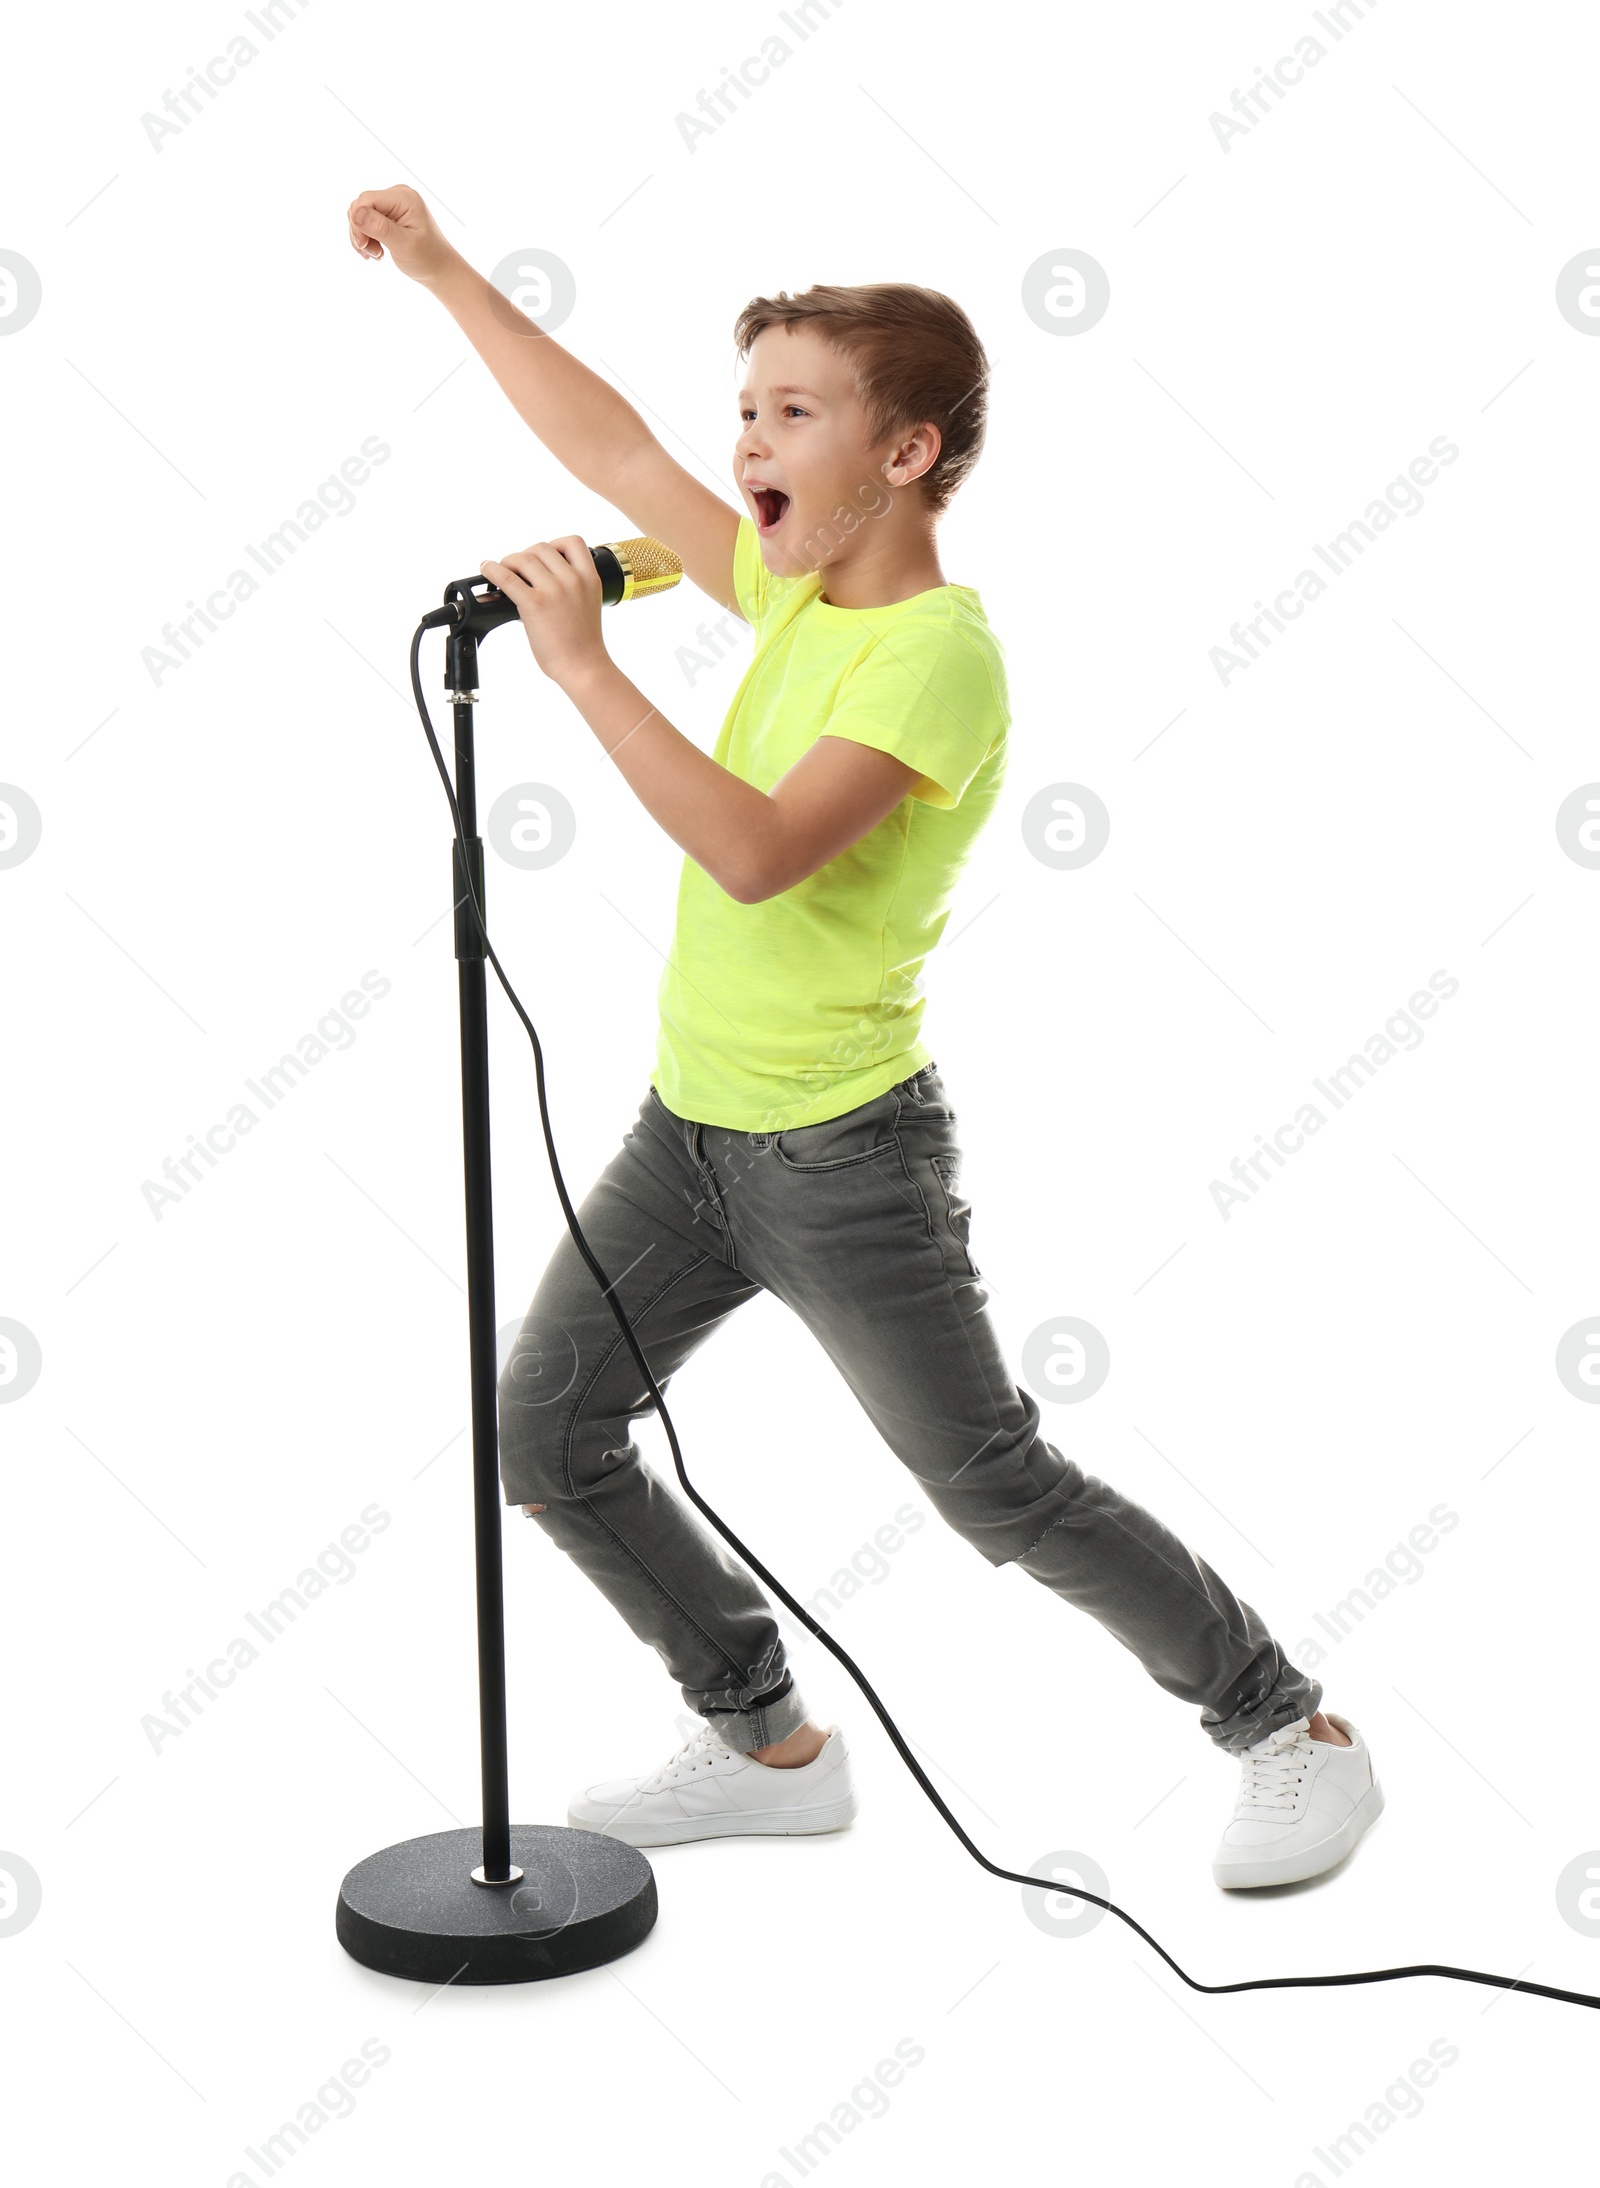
x=770, y=507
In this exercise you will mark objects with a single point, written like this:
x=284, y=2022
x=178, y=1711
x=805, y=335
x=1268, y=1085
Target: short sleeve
x=926, y=694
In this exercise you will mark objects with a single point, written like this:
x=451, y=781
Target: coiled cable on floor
x=995, y=1868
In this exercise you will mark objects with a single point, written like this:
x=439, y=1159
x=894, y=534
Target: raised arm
x=589, y=428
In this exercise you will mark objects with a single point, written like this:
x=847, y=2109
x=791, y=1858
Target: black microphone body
x=629, y=569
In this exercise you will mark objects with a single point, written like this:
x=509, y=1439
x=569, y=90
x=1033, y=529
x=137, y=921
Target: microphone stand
x=543, y=1900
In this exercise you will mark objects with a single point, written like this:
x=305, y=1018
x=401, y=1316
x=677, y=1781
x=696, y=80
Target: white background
x=223, y=1390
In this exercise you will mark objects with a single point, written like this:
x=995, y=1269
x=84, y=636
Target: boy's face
x=802, y=461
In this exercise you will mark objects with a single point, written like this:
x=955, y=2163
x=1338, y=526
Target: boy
x=796, y=1135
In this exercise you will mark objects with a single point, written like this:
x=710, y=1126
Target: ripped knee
x=530, y=1509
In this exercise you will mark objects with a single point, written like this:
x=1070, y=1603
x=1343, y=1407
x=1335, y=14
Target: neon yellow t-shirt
x=791, y=1011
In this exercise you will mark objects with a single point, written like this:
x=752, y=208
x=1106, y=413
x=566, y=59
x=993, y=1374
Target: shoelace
x=702, y=1748
x=1272, y=1776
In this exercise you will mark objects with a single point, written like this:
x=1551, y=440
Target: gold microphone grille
x=647, y=566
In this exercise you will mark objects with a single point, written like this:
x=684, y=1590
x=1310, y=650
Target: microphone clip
x=471, y=603
x=472, y=608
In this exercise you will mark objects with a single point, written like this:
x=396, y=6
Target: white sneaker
x=707, y=1791
x=1302, y=1805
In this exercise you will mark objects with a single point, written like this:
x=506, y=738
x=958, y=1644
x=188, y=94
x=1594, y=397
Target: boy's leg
x=858, y=1224
x=569, y=1393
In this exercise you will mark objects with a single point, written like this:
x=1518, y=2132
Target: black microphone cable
x=1011, y=1876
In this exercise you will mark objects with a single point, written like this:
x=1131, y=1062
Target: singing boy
x=796, y=1135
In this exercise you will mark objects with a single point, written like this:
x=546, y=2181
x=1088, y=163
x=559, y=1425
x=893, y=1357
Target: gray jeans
x=857, y=1224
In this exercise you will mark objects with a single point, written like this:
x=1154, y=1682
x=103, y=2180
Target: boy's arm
x=753, y=843
x=670, y=504
x=589, y=428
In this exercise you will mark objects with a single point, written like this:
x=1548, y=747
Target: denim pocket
x=838, y=1142
x=957, y=1208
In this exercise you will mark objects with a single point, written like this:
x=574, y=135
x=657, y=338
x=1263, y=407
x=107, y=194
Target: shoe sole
x=800, y=1823
x=1310, y=1861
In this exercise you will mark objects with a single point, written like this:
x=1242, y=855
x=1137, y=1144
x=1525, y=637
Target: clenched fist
x=398, y=217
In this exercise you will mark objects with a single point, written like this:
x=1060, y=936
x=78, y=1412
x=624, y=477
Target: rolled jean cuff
x=1271, y=1694
x=763, y=1723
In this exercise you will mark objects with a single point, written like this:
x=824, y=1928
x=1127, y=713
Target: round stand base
x=413, y=1910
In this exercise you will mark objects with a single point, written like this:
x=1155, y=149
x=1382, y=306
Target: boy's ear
x=915, y=455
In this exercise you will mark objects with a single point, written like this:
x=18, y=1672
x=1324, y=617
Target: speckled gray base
x=413, y=1909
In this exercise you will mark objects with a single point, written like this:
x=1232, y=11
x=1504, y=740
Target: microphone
x=629, y=569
